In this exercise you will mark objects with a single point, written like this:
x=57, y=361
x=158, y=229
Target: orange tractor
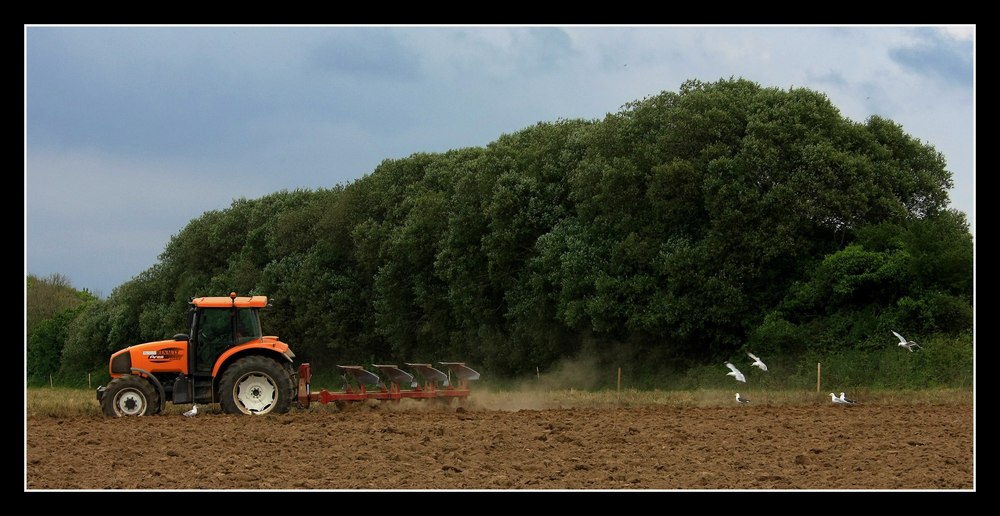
x=227, y=360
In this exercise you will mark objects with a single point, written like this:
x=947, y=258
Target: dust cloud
x=535, y=393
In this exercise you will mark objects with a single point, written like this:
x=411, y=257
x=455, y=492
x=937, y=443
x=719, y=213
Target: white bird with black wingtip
x=735, y=373
x=908, y=344
x=741, y=400
x=757, y=362
x=193, y=412
x=845, y=399
x=835, y=399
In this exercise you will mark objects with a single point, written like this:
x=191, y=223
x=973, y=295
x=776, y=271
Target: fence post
x=817, y=376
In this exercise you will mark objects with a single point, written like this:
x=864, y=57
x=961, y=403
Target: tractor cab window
x=247, y=325
x=215, y=334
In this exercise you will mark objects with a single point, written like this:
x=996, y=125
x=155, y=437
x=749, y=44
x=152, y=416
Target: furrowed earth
x=435, y=446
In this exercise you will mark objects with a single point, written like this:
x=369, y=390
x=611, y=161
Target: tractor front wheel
x=256, y=385
x=130, y=396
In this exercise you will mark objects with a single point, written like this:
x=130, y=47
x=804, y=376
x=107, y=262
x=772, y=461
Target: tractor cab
x=215, y=329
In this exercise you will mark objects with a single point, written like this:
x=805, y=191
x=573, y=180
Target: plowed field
x=391, y=447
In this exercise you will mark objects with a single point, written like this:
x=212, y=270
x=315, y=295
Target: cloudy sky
x=131, y=132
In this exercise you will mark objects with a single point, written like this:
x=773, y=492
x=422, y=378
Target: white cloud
x=961, y=31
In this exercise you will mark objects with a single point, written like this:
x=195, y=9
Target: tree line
x=684, y=229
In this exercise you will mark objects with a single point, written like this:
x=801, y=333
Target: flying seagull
x=757, y=362
x=908, y=344
x=847, y=400
x=835, y=399
x=193, y=412
x=742, y=401
x=735, y=373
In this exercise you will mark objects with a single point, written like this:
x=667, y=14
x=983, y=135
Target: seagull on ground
x=847, y=400
x=193, y=412
x=735, y=373
x=757, y=362
x=835, y=399
x=742, y=401
x=908, y=344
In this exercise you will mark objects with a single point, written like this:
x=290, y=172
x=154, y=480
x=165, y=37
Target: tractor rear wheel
x=130, y=396
x=256, y=385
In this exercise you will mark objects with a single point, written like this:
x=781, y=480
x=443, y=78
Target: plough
x=401, y=384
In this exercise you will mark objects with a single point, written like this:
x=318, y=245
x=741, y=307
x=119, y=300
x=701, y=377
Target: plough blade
x=429, y=373
x=397, y=375
x=462, y=371
x=361, y=375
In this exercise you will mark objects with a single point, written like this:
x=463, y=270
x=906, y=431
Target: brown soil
x=644, y=448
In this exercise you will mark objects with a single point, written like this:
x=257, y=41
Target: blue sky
x=131, y=132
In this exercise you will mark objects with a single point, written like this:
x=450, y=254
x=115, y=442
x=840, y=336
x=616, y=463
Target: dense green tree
x=677, y=231
x=87, y=348
x=45, y=345
x=914, y=277
x=51, y=308
x=47, y=296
